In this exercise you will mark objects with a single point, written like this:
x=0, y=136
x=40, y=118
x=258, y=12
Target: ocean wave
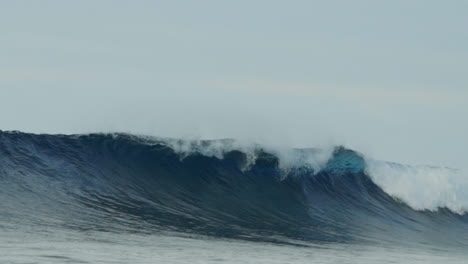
x=224, y=188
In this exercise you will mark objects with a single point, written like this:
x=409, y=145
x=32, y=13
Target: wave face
x=124, y=183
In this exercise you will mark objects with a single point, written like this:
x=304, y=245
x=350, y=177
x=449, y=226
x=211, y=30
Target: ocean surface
x=121, y=198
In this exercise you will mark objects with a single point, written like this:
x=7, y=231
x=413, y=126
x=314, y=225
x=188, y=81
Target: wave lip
x=223, y=188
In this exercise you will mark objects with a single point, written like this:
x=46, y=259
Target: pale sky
x=388, y=78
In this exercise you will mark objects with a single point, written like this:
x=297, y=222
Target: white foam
x=422, y=187
x=213, y=148
x=314, y=159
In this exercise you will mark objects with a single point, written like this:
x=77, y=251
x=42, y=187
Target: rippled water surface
x=53, y=246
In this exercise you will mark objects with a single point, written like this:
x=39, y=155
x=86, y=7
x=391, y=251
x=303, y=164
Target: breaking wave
x=121, y=182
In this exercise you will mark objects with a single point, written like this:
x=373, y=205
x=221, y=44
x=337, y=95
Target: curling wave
x=120, y=182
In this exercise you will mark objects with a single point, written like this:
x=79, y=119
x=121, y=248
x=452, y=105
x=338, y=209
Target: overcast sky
x=389, y=78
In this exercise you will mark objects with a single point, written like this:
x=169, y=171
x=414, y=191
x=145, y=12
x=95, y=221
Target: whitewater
x=122, y=198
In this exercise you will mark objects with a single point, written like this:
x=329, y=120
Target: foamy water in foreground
x=53, y=246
